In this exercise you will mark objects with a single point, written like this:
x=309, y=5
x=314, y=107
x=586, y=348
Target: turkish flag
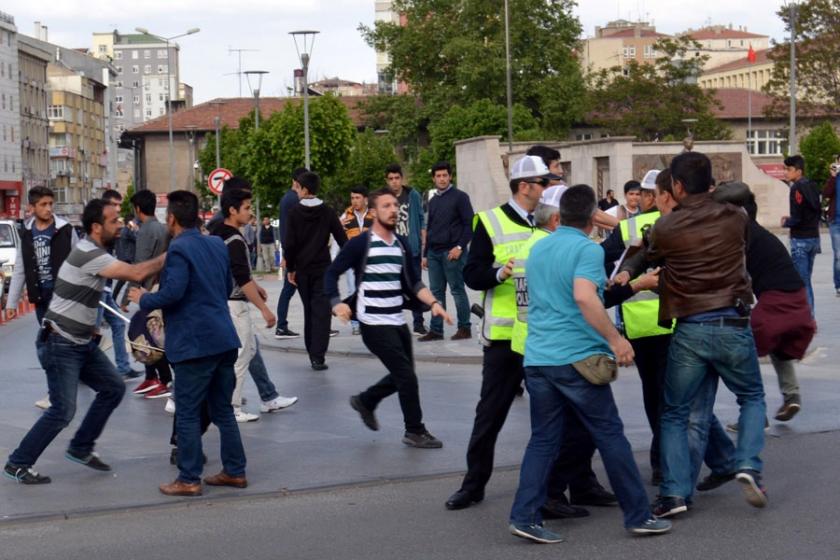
x=751, y=54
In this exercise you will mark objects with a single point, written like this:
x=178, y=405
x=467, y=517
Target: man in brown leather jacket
x=706, y=288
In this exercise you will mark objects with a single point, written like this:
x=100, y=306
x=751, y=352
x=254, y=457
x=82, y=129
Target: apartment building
x=11, y=163
x=34, y=124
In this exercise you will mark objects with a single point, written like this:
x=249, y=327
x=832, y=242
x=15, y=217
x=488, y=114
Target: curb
x=460, y=360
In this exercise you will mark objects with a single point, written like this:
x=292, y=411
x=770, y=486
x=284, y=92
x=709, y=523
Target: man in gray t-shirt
x=69, y=347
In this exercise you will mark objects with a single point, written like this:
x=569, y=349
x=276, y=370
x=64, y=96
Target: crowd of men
x=700, y=289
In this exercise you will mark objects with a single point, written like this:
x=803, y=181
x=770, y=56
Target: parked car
x=9, y=243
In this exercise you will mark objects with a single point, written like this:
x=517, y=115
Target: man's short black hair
x=94, y=214
x=311, y=182
x=693, y=170
x=610, y=191
x=796, y=161
x=632, y=186
x=663, y=181
x=146, y=201
x=545, y=153
x=441, y=166
x=577, y=206
x=37, y=193
x=183, y=205
x=393, y=168
x=377, y=194
x=359, y=189
x=298, y=172
x=234, y=199
x=110, y=195
x=235, y=183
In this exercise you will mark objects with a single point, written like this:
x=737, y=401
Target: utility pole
x=239, y=72
x=508, y=78
x=792, y=149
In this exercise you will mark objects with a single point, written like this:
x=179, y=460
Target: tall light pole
x=307, y=41
x=169, y=95
x=792, y=131
x=255, y=78
x=508, y=78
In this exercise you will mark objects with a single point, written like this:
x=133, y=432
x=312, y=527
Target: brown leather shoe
x=430, y=336
x=181, y=488
x=224, y=479
x=462, y=334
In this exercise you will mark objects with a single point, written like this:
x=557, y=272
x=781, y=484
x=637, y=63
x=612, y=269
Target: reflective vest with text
x=520, y=321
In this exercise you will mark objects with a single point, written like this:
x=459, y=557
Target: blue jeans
x=259, y=374
x=208, y=379
x=286, y=294
x=552, y=389
x=442, y=271
x=803, y=252
x=67, y=364
x=834, y=230
x=117, y=333
x=699, y=352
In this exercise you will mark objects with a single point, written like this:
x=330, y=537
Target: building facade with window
x=34, y=124
x=619, y=42
x=723, y=44
x=11, y=163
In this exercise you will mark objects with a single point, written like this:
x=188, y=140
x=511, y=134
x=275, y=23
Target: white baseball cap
x=527, y=167
x=552, y=195
x=649, y=180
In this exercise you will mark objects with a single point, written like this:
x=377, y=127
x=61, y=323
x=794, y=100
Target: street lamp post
x=257, y=77
x=307, y=41
x=191, y=137
x=508, y=78
x=169, y=96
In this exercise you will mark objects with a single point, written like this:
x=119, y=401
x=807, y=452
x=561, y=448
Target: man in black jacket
x=385, y=280
x=307, y=254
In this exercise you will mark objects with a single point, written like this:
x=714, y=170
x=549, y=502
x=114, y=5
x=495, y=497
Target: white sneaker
x=43, y=403
x=278, y=403
x=242, y=416
x=170, y=406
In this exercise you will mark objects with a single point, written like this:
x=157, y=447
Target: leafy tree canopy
x=819, y=148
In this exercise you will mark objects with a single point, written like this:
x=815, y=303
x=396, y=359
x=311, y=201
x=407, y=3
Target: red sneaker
x=146, y=386
x=158, y=392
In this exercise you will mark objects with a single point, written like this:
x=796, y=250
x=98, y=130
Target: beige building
x=619, y=42
x=739, y=73
x=34, y=125
x=724, y=44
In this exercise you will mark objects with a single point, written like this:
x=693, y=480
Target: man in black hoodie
x=307, y=253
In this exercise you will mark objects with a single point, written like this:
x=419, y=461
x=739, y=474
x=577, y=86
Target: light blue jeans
x=803, y=252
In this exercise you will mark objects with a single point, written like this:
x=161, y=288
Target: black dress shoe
x=561, y=509
x=463, y=499
x=596, y=496
x=319, y=366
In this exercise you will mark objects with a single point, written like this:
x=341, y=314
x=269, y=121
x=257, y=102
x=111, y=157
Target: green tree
x=453, y=52
x=819, y=148
x=126, y=208
x=370, y=154
x=650, y=101
x=817, y=68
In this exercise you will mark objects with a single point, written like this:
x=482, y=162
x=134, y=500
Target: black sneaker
x=666, y=506
x=319, y=366
x=754, y=490
x=333, y=332
x=789, y=409
x=24, y=475
x=368, y=417
x=714, y=481
x=282, y=334
x=422, y=441
x=420, y=330
x=91, y=460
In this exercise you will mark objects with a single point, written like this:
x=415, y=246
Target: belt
x=722, y=322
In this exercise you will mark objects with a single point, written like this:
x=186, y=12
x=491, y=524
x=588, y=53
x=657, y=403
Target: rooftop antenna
x=239, y=72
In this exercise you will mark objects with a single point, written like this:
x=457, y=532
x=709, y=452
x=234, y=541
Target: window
x=118, y=55
x=650, y=52
x=135, y=69
x=161, y=110
x=147, y=69
x=629, y=52
x=137, y=100
x=160, y=95
x=148, y=113
x=581, y=137
x=55, y=112
x=118, y=99
x=103, y=49
x=4, y=101
x=135, y=55
x=119, y=84
x=163, y=69
x=119, y=113
x=766, y=142
x=135, y=84
x=147, y=53
x=161, y=53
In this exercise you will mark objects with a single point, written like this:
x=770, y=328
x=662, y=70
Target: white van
x=9, y=243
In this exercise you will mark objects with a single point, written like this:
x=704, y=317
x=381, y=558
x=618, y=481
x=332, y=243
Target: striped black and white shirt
x=380, y=299
x=78, y=289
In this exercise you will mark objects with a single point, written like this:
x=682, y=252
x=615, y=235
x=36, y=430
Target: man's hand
x=270, y=319
x=647, y=281
x=11, y=313
x=784, y=220
x=342, y=311
x=621, y=278
x=623, y=352
x=507, y=271
x=292, y=279
x=124, y=308
x=454, y=253
x=424, y=263
x=439, y=311
x=134, y=295
x=262, y=292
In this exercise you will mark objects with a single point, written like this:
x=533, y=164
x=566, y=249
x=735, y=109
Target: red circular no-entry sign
x=217, y=178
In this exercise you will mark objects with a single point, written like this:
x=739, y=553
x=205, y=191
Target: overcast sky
x=339, y=49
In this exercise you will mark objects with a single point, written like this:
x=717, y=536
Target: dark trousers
x=572, y=469
x=159, y=370
x=316, y=313
x=286, y=294
x=418, y=272
x=204, y=420
x=392, y=345
x=652, y=361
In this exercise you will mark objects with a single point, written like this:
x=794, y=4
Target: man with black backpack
x=386, y=282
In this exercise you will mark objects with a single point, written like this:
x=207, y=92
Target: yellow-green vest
x=520, y=321
x=499, y=303
x=641, y=312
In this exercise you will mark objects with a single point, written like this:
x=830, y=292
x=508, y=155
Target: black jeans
x=316, y=313
x=501, y=377
x=418, y=271
x=160, y=370
x=652, y=361
x=392, y=345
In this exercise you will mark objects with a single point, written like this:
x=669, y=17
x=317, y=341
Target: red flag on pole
x=751, y=54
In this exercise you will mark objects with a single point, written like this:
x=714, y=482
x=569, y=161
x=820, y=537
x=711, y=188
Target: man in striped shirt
x=386, y=283
x=69, y=347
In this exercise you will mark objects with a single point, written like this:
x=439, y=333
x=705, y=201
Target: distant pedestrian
x=249, y=232
x=357, y=218
x=289, y=201
x=310, y=224
x=632, y=201
x=386, y=283
x=830, y=192
x=267, y=246
x=608, y=201
x=449, y=231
